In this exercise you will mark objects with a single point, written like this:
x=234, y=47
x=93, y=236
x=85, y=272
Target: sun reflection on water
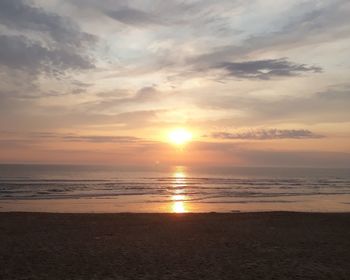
x=178, y=204
x=178, y=197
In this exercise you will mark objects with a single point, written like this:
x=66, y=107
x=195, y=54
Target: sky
x=257, y=83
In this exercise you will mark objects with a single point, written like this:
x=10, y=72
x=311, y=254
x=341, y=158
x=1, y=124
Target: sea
x=178, y=189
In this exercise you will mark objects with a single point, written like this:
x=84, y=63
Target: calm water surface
x=178, y=189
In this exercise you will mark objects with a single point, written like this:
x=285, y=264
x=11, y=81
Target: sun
x=180, y=136
x=179, y=207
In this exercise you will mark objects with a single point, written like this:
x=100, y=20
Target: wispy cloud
x=134, y=17
x=267, y=134
x=329, y=105
x=15, y=137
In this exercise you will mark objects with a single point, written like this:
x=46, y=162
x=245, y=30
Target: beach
x=265, y=245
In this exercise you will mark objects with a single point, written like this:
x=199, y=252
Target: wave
x=191, y=188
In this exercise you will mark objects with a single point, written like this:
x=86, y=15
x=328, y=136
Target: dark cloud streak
x=31, y=137
x=268, y=134
x=266, y=69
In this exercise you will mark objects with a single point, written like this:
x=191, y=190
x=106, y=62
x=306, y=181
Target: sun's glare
x=179, y=207
x=180, y=136
x=179, y=175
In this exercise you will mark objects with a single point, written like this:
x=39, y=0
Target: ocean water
x=178, y=189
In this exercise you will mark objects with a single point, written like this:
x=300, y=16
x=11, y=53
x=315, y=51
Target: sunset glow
x=132, y=83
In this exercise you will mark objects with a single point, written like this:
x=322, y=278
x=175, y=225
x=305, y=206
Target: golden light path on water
x=179, y=184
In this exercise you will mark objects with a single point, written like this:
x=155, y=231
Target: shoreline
x=177, y=214
x=249, y=245
x=135, y=204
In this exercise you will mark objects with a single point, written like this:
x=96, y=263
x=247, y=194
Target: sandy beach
x=276, y=245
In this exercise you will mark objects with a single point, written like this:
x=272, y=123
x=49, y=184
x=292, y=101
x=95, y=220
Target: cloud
x=132, y=16
x=24, y=16
x=32, y=137
x=301, y=24
x=330, y=105
x=122, y=99
x=17, y=52
x=71, y=137
x=307, y=23
x=267, y=134
x=41, y=42
x=163, y=73
x=201, y=15
x=144, y=94
x=265, y=69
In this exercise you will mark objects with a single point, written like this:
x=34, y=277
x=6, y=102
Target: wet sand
x=278, y=245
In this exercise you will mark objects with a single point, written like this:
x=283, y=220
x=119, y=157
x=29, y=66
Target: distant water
x=179, y=189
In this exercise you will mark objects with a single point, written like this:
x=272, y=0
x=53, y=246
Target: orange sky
x=96, y=82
